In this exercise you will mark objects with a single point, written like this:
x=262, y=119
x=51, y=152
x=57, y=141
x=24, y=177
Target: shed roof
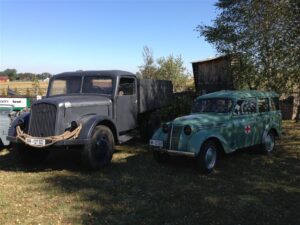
x=3, y=77
x=210, y=59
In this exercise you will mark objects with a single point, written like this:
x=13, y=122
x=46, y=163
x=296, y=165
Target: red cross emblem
x=247, y=129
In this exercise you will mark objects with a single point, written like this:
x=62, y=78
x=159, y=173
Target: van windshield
x=77, y=85
x=214, y=105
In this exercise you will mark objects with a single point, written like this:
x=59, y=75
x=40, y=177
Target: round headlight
x=165, y=128
x=187, y=130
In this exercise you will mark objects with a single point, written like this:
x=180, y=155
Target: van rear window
x=263, y=105
x=275, y=104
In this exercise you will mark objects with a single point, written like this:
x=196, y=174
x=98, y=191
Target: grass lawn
x=246, y=188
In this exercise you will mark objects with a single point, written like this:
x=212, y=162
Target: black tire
x=160, y=157
x=98, y=153
x=206, y=160
x=29, y=155
x=149, y=124
x=268, y=146
x=1, y=145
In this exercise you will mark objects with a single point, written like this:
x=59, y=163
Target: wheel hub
x=210, y=158
x=101, y=148
x=269, y=143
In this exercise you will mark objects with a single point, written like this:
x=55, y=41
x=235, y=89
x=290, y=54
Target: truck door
x=126, y=103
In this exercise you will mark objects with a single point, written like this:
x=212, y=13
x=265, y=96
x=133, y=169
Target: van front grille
x=173, y=137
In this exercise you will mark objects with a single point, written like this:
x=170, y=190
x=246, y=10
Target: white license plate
x=36, y=141
x=156, y=143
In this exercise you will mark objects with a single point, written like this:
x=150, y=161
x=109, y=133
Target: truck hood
x=76, y=101
x=199, y=120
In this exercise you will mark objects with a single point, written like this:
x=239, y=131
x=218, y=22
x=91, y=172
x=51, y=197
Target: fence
x=23, y=91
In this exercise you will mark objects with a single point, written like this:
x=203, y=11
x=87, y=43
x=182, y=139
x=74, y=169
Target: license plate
x=36, y=141
x=156, y=143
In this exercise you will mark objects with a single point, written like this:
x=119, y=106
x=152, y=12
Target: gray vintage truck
x=89, y=111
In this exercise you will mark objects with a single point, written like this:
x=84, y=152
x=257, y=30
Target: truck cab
x=89, y=110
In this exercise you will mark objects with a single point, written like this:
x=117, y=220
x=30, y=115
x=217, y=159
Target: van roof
x=240, y=94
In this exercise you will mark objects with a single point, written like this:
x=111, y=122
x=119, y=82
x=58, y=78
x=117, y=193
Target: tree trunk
x=296, y=107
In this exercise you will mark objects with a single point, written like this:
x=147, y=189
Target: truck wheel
x=160, y=157
x=1, y=145
x=269, y=143
x=98, y=153
x=29, y=155
x=206, y=160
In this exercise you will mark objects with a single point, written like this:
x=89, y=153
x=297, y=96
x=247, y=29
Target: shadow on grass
x=246, y=188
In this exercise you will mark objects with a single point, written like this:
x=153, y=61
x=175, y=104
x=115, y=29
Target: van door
x=126, y=104
x=263, y=119
x=244, y=123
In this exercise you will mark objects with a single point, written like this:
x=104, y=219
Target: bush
x=181, y=106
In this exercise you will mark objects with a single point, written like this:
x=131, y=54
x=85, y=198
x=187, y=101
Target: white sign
x=156, y=143
x=36, y=141
x=16, y=102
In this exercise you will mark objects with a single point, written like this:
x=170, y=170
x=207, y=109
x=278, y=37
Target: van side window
x=126, y=86
x=244, y=107
x=274, y=104
x=263, y=105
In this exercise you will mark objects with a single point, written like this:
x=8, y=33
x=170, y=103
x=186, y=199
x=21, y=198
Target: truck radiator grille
x=173, y=137
x=42, y=120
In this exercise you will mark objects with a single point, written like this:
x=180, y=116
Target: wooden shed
x=213, y=74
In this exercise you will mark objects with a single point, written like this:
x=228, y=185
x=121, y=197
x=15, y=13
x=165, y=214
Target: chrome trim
x=174, y=152
x=171, y=134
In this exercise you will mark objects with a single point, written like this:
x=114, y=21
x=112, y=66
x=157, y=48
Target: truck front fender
x=24, y=117
x=90, y=122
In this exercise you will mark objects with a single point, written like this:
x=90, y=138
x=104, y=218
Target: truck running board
x=125, y=137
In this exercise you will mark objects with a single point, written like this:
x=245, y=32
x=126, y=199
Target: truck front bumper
x=14, y=139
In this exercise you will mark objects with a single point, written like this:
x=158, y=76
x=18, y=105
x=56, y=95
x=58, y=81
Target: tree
x=149, y=69
x=164, y=68
x=171, y=68
x=11, y=73
x=265, y=36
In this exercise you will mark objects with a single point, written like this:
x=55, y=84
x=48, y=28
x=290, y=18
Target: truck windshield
x=215, y=105
x=77, y=85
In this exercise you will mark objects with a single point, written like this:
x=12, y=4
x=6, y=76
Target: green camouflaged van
x=222, y=121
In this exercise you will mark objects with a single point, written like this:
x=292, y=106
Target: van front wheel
x=206, y=160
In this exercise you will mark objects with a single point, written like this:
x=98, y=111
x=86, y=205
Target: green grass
x=246, y=188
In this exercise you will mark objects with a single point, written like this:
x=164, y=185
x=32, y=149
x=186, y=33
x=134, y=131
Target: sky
x=67, y=35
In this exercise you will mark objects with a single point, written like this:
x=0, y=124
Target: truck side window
x=97, y=85
x=263, y=105
x=274, y=104
x=126, y=86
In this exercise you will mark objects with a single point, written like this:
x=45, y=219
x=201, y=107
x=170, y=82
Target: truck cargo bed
x=154, y=94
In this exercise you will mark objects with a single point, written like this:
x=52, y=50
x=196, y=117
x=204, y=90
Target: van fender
x=199, y=138
x=267, y=130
